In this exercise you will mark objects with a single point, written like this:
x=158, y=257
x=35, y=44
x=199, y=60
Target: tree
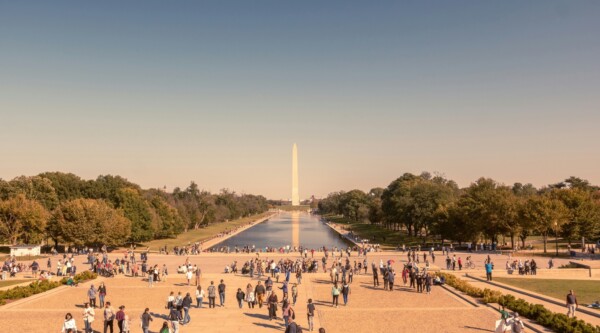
x=34, y=188
x=22, y=220
x=546, y=214
x=137, y=210
x=354, y=205
x=92, y=222
x=67, y=185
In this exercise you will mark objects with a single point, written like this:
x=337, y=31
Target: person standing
x=189, y=275
x=335, y=292
x=164, y=328
x=272, y=300
x=346, y=292
x=222, y=293
x=109, y=317
x=310, y=313
x=198, y=274
x=211, y=295
x=92, y=296
x=69, y=324
x=488, y=270
x=146, y=319
x=120, y=316
x=375, y=276
x=391, y=279
x=88, y=317
x=199, y=296
x=126, y=324
x=571, y=303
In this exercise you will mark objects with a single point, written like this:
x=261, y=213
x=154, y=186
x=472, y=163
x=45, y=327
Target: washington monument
x=295, y=196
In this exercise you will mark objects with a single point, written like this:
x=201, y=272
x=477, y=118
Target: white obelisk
x=295, y=195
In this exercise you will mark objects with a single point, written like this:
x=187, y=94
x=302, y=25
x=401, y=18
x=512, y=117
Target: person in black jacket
x=186, y=304
x=222, y=293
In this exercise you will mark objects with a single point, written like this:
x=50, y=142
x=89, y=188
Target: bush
x=38, y=287
x=557, y=322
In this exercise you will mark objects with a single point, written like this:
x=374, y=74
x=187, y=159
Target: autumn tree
x=22, y=220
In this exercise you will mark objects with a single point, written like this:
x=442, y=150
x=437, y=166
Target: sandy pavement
x=369, y=309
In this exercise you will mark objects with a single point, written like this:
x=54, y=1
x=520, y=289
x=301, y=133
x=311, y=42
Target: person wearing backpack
x=517, y=324
x=293, y=327
x=175, y=318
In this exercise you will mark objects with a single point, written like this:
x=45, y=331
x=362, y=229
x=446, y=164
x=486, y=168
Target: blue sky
x=218, y=91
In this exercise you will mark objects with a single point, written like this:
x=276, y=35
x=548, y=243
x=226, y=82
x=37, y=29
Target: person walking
x=259, y=292
x=222, y=293
x=120, y=316
x=199, y=296
x=146, y=319
x=189, y=276
x=240, y=296
x=109, y=318
x=294, y=294
x=335, y=292
x=310, y=313
x=175, y=318
x=391, y=279
x=186, y=304
x=250, y=299
x=69, y=324
x=88, y=317
x=287, y=313
x=489, y=267
x=517, y=324
x=571, y=303
x=211, y=295
x=165, y=328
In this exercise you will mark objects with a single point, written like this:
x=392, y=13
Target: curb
x=536, y=296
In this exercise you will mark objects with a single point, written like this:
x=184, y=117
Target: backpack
x=517, y=326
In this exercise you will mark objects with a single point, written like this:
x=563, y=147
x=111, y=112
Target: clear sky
x=165, y=92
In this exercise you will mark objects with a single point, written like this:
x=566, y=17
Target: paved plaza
x=369, y=310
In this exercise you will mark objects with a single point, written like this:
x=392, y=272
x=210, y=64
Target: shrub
x=557, y=322
x=38, y=287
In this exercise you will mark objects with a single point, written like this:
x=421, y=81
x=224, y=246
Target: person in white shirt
x=69, y=326
x=199, y=296
x=88, y=317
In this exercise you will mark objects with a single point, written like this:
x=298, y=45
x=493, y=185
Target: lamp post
x=556, y=236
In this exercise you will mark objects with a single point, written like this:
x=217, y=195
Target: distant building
x=25, y=250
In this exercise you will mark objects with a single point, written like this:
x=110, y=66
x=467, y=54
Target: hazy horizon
x=217, y=92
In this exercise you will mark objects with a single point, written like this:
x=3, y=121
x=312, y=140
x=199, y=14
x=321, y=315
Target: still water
x=289, y=228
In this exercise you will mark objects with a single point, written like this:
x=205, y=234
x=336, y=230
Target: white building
x=25, y=250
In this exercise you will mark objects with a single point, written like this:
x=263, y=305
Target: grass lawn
x=11, y=282
x=202, y=233
x=586, y=291
x=388, y=239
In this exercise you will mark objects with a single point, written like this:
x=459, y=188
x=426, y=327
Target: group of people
x=527, y=267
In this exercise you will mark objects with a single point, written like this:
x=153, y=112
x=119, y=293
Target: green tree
x=546, y=214
x=137, y=210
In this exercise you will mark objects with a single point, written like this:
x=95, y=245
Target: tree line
x=426, y=205
x=110, y=210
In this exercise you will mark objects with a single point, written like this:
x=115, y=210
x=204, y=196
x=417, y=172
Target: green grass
x=586, y=291
x=202, y=233
x=11, y=282
x=388, y=239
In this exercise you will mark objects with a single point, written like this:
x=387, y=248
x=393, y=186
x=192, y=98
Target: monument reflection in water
x=290, y=228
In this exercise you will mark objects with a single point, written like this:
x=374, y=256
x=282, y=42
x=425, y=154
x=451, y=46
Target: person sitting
x=227, y=269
